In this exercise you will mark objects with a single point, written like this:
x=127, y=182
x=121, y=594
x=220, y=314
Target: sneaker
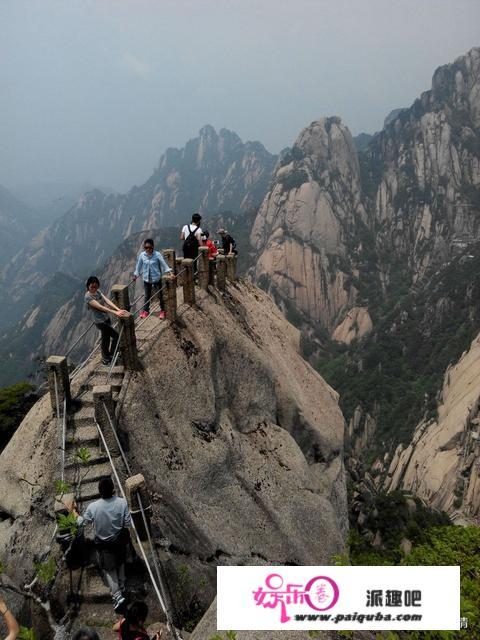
x=107, y=363
x=143, y=314
x=120, y=605
x=161, y=315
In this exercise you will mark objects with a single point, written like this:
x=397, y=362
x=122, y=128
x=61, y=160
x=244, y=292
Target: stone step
x=117, y=371
x=95, y=590
x=86, y=400
x=84, y=415
x=97, y=381
x=96, y=457
x=89, y=485
x=98, y=616
x=83, y=435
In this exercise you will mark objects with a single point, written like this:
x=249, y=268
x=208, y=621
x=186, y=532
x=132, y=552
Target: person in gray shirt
x=101, y=306
x=110, y=517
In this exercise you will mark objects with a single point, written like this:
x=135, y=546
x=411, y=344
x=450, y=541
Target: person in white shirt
x=192, y=237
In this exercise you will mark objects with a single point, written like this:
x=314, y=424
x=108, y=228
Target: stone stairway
x=96, y=608
x=83, y=476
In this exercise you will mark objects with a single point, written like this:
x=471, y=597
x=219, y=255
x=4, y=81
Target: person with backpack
x=132, y=627
x=192, y=237
x=228, y=243
x=110, y=517
x=152, y=265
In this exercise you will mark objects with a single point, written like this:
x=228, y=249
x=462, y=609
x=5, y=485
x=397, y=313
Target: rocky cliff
x=212, y=173
x=422, y=172
x=441, y=463
x=337, y=227
x=240, y=442
x=305, y=231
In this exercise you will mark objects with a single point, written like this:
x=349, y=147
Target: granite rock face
x=338, y=226
x=424, y=171
x=441, y=463
x=248, y=437
x=303, y=229
x=239, y=439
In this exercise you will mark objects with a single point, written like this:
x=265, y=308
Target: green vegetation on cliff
x=440, y=546
x=15, y=401
x=396, y=372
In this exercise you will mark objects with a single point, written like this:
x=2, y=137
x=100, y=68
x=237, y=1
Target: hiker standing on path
x=12, y=625
x=101, y=306
x=228, y=243
x=110, y=517
x=152, y=266
x=192, y=237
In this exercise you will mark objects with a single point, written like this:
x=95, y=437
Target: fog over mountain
x=93, y=91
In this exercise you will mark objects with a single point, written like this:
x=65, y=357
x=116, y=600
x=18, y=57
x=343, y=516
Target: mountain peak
x=207, y=131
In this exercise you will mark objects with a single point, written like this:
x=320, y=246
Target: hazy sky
x=96, y=90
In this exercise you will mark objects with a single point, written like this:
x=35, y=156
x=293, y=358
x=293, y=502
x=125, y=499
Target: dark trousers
x=109, y=339
x=154, y=287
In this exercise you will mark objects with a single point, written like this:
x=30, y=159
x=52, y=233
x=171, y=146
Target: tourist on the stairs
x=12, y=625
x=101, y=306
x=110, y=517
x=152, y=266
x=86, y=634
x=192, y=237
x=132, y=627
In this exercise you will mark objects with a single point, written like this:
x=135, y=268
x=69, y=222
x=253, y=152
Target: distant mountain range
x=212, y=173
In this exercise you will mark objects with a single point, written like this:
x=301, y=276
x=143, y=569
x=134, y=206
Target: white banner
x=343, y=598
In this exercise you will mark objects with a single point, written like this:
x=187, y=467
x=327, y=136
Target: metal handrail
x=140, y=545
x=115, y=354
x=78, y=339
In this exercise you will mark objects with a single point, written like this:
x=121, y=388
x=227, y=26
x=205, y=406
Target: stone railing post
x=57, y=368
x=128, y=344
x=120, y=296
x=170, y=297
x=211, y=271
x=169, y=255
x=178, y=263
x=221, y=273
x=104, y=407
x=188, y=282
x=203, y=267
x=232, y=267
x=136, y=487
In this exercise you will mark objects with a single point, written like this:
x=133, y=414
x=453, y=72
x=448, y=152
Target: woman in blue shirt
x=151, y=266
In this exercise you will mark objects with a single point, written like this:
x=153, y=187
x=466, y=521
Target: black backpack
x=190, y=245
